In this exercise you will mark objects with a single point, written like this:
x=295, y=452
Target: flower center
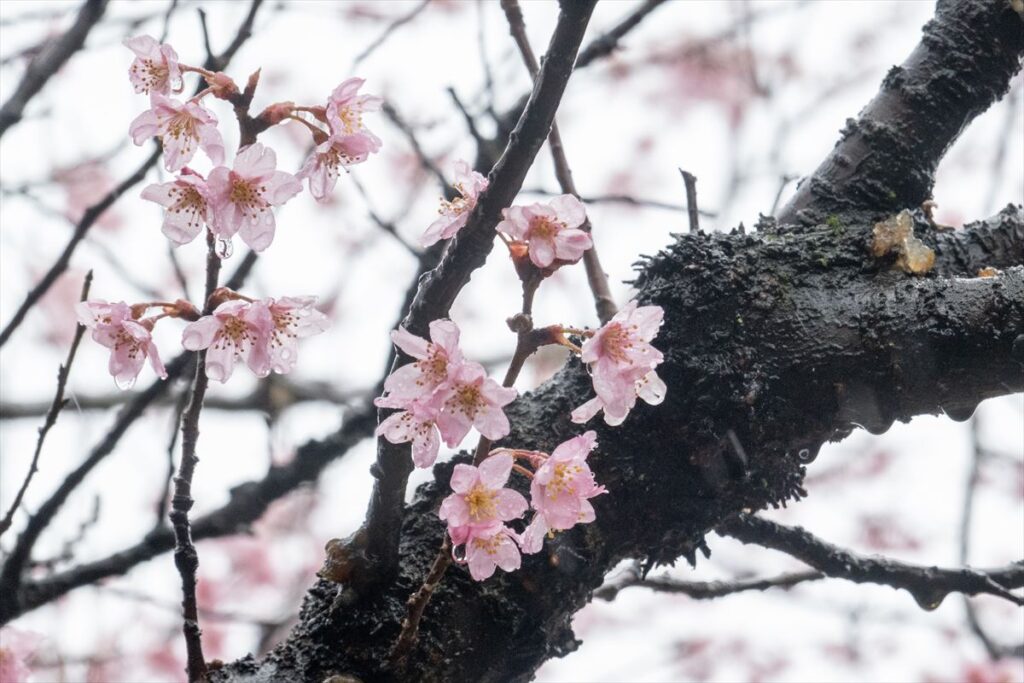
x=467, y=400
x=124, y=339
x=351, y=120
x=151, y=73
x=189, y=200
x=435, y=366
x=456, y=207
x=488, y=545
x=615, y=342
x=542, y=228
x=563, y=479
x=236, y=332
x=481, y=503
x=247, y=196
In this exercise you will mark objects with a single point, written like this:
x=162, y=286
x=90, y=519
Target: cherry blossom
x=345, y=111
x=17, y=648
x=454, y=214
x=489, y=547
x=130, y=341
x=237, y=330
x=416, y=423
x=622, y=363
x=437, y=360
x=471, y=399
x=324, y=165
x=187, y=203
x=551, y=231
x=480, y=496
x=155, y=67
x=182, y=128
x=560, y=491
x=242, y=197
x=291, y=318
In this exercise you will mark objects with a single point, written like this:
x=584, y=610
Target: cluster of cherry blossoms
x=239, y=199
x=441, y=395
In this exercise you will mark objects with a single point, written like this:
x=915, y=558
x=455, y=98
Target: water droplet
x=224, y=249
x=929, y=600
x=807, y=455
x=124, y=384
x=459, y=554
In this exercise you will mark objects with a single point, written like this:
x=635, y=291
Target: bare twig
x=172, y=445
x=700, y=590
x=622, y=199
x=690, y=181
x=608, y=42
x=928, y=585
x=391, y=28
x=392, y=114
x=597, y=279
x=49, y=60
x=56, y=406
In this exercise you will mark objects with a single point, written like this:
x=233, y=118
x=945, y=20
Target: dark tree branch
x=52, y=414
x=886, y=158
x=690, y=181
x=49, y=60
x=997, y=242
x=466, y=252
x=928, y=585
x=608, y=42
x=700, y=590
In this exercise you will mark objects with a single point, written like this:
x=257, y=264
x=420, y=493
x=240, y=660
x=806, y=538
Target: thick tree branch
x=886, y=158
x=49, y=60
x=928, y=585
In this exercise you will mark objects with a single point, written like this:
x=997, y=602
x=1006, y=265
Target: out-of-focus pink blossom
x=155, y=67
x=291, y=318
x=416, y=423
x=187, y=204
x=84, y=185
x=17, y=648
x=622, y=363
x=561, y=491
x=129, y=340
x=243, y=197
x=237, y=330
x=437, y=360
x=551, y=230
x=471, y=399
x=345, y=110
x=480, y=497
x=324, y=165
x=182, y=128
x=453, y=217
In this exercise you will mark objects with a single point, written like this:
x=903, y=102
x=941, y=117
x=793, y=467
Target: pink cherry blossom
x=489, y=547
x=242, y=197
x=129, y=340
x=291, y=318
x=480, y=496
x=324, y=165
x=182, y=128
x=551, y=231
x=471, y=399
x=237, y=330
x=345, y=110
x=437, y=360
x=454, y=214
x=622, y=363
x=17, y=648
x=155, y=67
x=416, y=423
x=187, y=204
x=560, y=491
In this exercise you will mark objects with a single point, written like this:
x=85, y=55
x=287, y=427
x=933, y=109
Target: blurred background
x=746, y=95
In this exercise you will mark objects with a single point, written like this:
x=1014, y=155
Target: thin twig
x=928, y=585
x=392, y=115
x=391, y=28
x=690, y=181
x=597, y=279
x=700, y=590
x=49, y=61
x=56, y=406
x=165, y=495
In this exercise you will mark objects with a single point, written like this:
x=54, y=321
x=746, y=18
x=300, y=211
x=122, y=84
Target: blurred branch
x=391, y=28
x=699, y=590
x=597, y=279
x=49, y=60
x=928, y=585
x=622, y=199
x=52, y=413
x=392, y=114
x=608, y=42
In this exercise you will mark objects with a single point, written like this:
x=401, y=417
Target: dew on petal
x=224, y=249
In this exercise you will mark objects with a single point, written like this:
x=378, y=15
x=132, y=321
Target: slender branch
x=391, y=28
x=81, y=229
x=597, y=279
x=690, y=181
x=928, y=585
x=608, y=42
x=624, y=199
x=425, y=161
x=467, y=251
x=49, y=60
x=56, y=406
x=700, y=590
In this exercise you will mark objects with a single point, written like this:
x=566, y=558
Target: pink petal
x=199, y=334
x=651, y=388
x=281, y=187
x=532, y=539
x=464, y=477
x=569, y=210
x=259, y=233
x=144, y=126
x=425, y=447
x=255, y=160
x=542, y=252
x=495, y=470
x=510, y=504
x=220, y=362
x=492, y=423
x=586, y=411
x=417, y=347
